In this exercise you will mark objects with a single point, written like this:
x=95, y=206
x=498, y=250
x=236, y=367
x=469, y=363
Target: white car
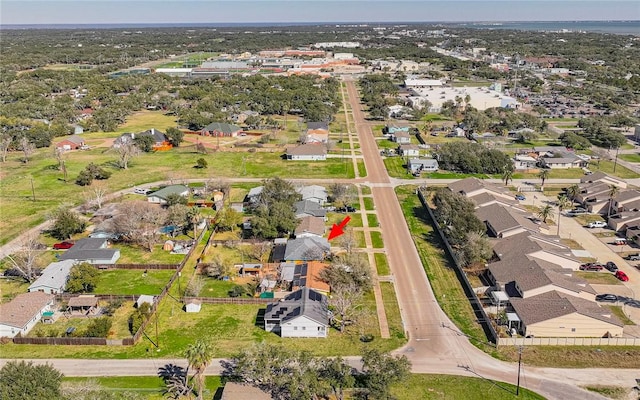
x=141, y=191
x=596, y=224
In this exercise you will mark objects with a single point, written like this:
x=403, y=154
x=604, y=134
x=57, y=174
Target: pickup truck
x=633, y=257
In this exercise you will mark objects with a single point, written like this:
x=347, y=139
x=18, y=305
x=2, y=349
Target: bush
x=237, y=291
x=98, y=327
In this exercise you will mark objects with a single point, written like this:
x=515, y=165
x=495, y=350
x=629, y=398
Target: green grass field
x=396, y=168
x=368, y=203
x=634, y=158
x=382, y=265
x=376, y=240
x=131, y=281
x=372, y=220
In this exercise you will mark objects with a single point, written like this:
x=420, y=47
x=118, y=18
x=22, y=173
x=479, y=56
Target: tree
x=20, y=380
x=98, y=327
x=573, y=191
x=202, y=163
x=175, y=380
x=65, y=222
x=27, y=148
x=613, y=192
x=194, y=287
x=96, y=195
x=545, y=212
x=382, y=370
x=563, y=204
x=24, y=263
x=477, y=250
x=194, y=216
x=228, y=219
x=175, y=136
x=144, y=143
x=126, y=151
x=83, y=278
x=543, y=175
x=337, y=374
x=138, y=317
x=177, y=217
x=139, y=222
x=199, y=356
x=5, y=144
x=507, y=175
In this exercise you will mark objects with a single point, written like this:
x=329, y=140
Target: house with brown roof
x=503, y=222
x=545, y=248
x=488, y=198
x=307, y=152
x=243, y=391
x=22, y=313
x=625, y=200
x=624, y=220
x=555, y=314
x=310, y=226
x=470, y=187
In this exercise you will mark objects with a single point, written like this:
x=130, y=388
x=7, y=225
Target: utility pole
x=615, y=163
x=33, y=190
x=519, y=364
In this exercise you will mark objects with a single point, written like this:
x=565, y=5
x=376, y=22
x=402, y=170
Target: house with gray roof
x=308, y=208
x=310, y=226
x=160, y=196
x=625, y=200
x=408, y=150
x=303, y=313
x=93, y=251
x=562, y=160
x=315, y=193
x=401, y=137
x=254, y=195
x=221, y=129
x=419, y=165
x=487, y=198
x=306, y=249
x=604, y=178
x=469, y=187
x=159, y=138
x=313, y=125
x=542, y=247
x=307, y=152
x=21, y=314
x=72, y=142
x=555, y=314
x=54, y=278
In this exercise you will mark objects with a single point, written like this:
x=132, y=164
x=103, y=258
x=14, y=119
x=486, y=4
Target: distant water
x=614, y=27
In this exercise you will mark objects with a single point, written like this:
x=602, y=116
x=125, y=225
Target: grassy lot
x=437, y=264
x=598, y=277
x=392, y=310
x=386, y=144
x=368, y=203
x=131, y=281
x=138, y=255
x=382, y=265
x=607, y=167
x=575, y=356
x=366, y=190
x=372, y=220
x=610, y=392
x=9, y=288
x=618, y=312
x=634, y=158
x=359, y=238
x=396, y=167
x=376, y=240
x=216, y=288
x=336, y=218
x=448, y=387
x=362, y=170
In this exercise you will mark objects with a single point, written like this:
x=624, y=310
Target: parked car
x=608, y=298
x=591, y=267
x=520, y=197
x=63, y=246
x=622, y=276
x=141, y=191
x=619, y=241
x=633, y=257
x=576, y=212
x=611, y=266
x=596, y=224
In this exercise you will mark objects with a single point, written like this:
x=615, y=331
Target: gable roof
x=221, y=127
x=308, y=275
x=74, y=139
x=309, y=207
x=89, y=249
x=157, y=136
x=304, y=302
x=527, y=243
x=310, y=224
x=306, y=249
x=317, y=125
x=316, y=191
x=54, y=276
x=486, y=198
x=469, y=185
x=502, y=219
x=169, y=190
x=553, y=304
x=243, y=391
x=23, y=308
x=83, y=301
x=309, y=149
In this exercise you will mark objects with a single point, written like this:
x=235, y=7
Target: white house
x=418, y=165
x=54, y=278
x=307, y=152
x=160, y=196
x=23, y=312
x=314, y=193
x=524, y=162
x=303, y=313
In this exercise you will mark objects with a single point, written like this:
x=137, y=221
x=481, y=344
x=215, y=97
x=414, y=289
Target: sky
x=301, y=11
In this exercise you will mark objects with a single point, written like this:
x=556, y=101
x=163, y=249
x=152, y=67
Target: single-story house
x=316, y=136
x=160, y=196
x=554, y=314
x=315, y=193
x=408, y=150
x=23, y=312
x=54, y=278
x=604, y=178
x=93, y=251
x=542, y=247
x=308, y=208
x=524, y=162
x=393, y=129
x=160, y=140
x=624, y=220
x=565, y=160
x=401, y=137
x=243, y=391
x=221, y=129
x=303, y=313
x=307, y=152
x=418, y=165
x=310, y=226
x=504, y=221
x=306, y=249
x=473, y=186
x=193, y=306
x=308, y=275
x=625, y=200
x=72, y=142
x=313, y=125
x=144, y=298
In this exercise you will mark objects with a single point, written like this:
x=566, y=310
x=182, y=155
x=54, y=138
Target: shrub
x=98, y=327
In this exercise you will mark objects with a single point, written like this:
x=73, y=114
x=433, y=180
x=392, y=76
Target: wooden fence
x=229, y=300
x=554, y=341
x=66, y=341
x=476, y=304
x=138, y=266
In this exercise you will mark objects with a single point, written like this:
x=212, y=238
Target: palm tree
x=507, y=175
x=199, y=356
x=573, y=191
x=543, y=175
x=613, y=192
x=563, y=204
x=194, y=215
x=545, y=212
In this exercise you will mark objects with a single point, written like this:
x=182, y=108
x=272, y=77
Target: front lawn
x=598, y=277
x=376, y=240
x=382, y=265
x=368, y=203
x=396, y=167
x=132, y=281
x=372, y=220
x=634, y=158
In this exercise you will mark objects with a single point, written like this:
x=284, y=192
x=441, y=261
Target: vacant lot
x=131, y=281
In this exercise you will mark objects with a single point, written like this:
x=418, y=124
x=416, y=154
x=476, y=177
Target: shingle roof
x=485, y=198
x=553, y=304
x=304, y=302
x=54, y=276
x=314, y=225
x=23, y=308
x=75, y=139
x=169, y=190
x=243, y=391
x=308, y=207
x=306, y=249
x=83, y=301
x=221, y=127
x=313, y=191
x=528, y=243
x=627, y=195
x=503, y=219
x=310, y=149
x=318, y=125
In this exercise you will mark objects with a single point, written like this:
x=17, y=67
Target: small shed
x=193, y=306
x=144, y=298
x=168, y=245
x=217, y=196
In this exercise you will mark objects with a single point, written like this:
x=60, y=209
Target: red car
x=62, y=246
x=622, y=276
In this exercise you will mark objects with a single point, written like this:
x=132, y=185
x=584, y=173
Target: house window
x=304, y=328
x=295, y=328
x=321, y=329
x=573, y=329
